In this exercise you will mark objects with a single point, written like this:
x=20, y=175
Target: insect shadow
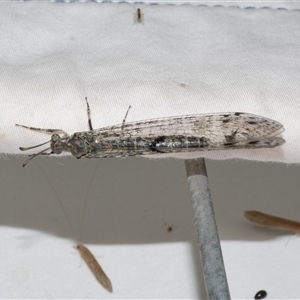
x=85, y=253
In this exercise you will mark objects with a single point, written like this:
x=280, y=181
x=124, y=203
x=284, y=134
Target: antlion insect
x=190, y=133
x=272, y=221
x=85, y=253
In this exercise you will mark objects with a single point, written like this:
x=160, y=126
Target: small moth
x=85, y=253
x=170, y=228
x=272, y=221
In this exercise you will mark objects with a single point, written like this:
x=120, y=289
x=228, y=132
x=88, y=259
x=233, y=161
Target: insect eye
x=56, y=144
x=55, y=137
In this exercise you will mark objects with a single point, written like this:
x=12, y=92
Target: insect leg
x=124, y=120
x=90, y=119
x=230, y=139
x=89, y=115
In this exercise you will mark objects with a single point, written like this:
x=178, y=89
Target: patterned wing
x=218, y=128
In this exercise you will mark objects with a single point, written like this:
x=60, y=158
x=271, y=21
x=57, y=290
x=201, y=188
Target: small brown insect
x=85, y=253
x=139, y=16
x=170, y=227
x=272, y=221
x=94, y=266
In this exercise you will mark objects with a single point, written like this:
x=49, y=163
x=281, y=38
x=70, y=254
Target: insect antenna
x=59, y=201
x=35, y=155
x=85, y=253
x=85, y=202
x=32, y=147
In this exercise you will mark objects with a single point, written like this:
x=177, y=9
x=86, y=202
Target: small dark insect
x=139, y=16
x=170, y=228
x=260, y=295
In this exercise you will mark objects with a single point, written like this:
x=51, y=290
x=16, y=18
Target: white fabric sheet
x=181, y=60
x=131, y=204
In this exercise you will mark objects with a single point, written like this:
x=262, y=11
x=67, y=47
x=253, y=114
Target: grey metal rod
x=207, y=231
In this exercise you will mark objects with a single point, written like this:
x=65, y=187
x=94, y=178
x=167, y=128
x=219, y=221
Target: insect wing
x=95, y=267
x=219, y=128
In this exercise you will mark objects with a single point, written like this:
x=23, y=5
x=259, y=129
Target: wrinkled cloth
x=179, y=60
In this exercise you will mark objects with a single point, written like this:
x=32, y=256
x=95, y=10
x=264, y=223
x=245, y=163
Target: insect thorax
x=78, y=144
